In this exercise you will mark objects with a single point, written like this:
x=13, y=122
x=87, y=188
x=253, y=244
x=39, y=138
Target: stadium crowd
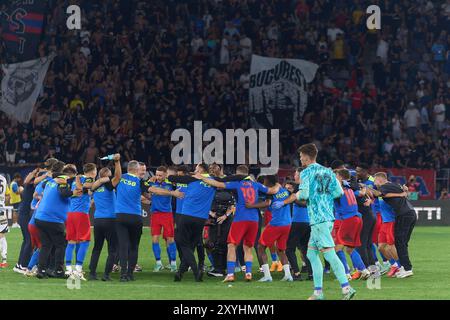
x=140, y=69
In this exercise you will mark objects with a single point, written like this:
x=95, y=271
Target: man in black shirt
x=405, y=219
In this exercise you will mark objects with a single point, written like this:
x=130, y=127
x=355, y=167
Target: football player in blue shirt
x=51, y=216
x=78, y=224
x=104, y=197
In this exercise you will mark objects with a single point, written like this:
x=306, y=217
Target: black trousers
x=25, y=249
x=218, y=235
x=369, y=220
x=298, y=239
x=129, y=231
x=188, y=235
x=403, y=229
x=52, y=234
x=258, y=235
x=104, y=229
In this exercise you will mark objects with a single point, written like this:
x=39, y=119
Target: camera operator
x=219, y=222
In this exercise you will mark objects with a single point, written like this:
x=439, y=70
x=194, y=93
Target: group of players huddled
x=331, y=211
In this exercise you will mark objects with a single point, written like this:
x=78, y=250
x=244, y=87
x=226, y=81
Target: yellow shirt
x=339, y=49
x=357, y=14
x=74, y=103
x=13, y=196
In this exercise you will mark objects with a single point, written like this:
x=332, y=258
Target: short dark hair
x=103, y=171
x=89, y=167
x=70, y=169
x=344, y=173
x=271, y=180
x=204, y=166
x=58, y=166
x=172, y=168
x=49, y=163
x=337, y=164
x=260, y=179
x=309, y=149
x=183, y=169
x=161, y=169
x=242, y=169
x=17, y=176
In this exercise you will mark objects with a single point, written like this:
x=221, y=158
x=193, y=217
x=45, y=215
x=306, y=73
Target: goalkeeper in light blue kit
x=319, y=186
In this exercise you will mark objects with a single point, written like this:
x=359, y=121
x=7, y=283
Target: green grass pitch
x=429, y=249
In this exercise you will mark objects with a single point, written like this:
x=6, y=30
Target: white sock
x=79, y=268
x=266, y=270
x=345, y=289
x=173, y=263
x=287, y=271
x=158, y=262
x=317, y=292
x=69, y=268
x=4, y=248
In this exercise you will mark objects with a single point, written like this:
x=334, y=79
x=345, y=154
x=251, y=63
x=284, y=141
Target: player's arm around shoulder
x=208, y=180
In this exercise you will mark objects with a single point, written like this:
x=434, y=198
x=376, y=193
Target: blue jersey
x=346, y=207
x=53, y=206
x=128, y=191
x=80, y=203
x=387, y=213
x=179, y=202
x=281, y=217
x=105, y=202
x=198, y=198
x=247, y=191
x=161, y=203
x=300, y=213
x=320, y=187
x=39, y=191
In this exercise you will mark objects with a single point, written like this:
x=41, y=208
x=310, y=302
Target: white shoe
x=265, y=279
x=19, y=269
x=365, y=274
x=402, y=273
x=79, y=275
x=287, y=279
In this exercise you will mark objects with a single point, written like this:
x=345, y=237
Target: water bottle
x=108, y=157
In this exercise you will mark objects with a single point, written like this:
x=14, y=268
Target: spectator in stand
x=154, y=66
x=413, y=188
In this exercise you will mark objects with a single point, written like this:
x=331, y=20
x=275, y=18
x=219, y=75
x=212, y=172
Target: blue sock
x=357, y=260
x=211, y=259
x=77, y=247
x=69, y=253
x=82, y=251
x=172, y=251
x=230, y=267
x=382, y=256
x=248, y=266
x=274, y=257
x=34, y=259
x=156, y=251
x=341, y=256
x=392, y=261
x=168, y=252
x=398, y=263
x=374, y=251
